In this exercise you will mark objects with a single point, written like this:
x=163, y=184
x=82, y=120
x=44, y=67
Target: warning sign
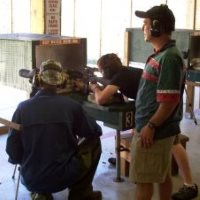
x=52, y=17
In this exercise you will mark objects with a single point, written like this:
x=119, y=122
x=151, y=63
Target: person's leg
x=189, y=189
x=144, y=191
x=89, y=154
x=181, y=158
x=165, y=188
x=113, y=160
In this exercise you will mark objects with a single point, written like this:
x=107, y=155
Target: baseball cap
x=51, y=72
x=161, y=13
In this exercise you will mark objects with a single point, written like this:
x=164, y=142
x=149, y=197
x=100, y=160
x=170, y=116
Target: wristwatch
x=151, y=125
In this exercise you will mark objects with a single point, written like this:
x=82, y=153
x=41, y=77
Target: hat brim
x=141, y=14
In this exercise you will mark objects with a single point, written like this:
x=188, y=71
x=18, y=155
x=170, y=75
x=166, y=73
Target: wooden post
x=46, y=17
x=10, y=124
x=37, y=16
x=3, y=130
x=189, y=98
x=127, y=40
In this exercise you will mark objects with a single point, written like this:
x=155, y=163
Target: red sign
x=60, y=42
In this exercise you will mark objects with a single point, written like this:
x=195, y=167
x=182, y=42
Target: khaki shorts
x=150, y=165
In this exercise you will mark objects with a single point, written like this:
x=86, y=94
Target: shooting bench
x=125, y=144
x=117, y=116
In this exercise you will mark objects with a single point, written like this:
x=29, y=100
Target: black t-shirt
x=127, y=79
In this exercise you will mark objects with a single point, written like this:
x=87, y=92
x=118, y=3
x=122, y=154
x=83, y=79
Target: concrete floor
x=105, y=174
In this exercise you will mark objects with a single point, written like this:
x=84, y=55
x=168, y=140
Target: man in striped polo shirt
x=158, y=106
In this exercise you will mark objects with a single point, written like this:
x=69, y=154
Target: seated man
x=48, y=145
x=121, y=78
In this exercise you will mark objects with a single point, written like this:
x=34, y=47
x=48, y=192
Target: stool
x=125, y=144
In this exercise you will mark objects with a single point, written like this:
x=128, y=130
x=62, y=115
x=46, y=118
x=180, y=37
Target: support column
x=37, y=16
x=46, y=17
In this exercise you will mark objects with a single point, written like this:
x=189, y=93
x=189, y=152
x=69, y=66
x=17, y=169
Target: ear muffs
x=156, y=28
x=36, y=80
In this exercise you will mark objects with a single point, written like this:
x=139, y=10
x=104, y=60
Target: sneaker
x=38, y=196
x=112, y=161
x=186, y=193
x=94, y=195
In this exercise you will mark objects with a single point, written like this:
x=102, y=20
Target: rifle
x=86, y=76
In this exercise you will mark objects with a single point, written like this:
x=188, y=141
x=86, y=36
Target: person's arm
x=163, y=112
x=103, y=96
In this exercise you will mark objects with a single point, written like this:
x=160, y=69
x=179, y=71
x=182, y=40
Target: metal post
x=118, y=161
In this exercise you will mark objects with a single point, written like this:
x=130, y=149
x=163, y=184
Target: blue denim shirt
x=45, y=146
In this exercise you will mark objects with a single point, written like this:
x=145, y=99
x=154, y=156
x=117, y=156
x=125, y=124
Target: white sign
x=52, y=17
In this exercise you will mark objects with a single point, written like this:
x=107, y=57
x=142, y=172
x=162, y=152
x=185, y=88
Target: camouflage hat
x=51, y=72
